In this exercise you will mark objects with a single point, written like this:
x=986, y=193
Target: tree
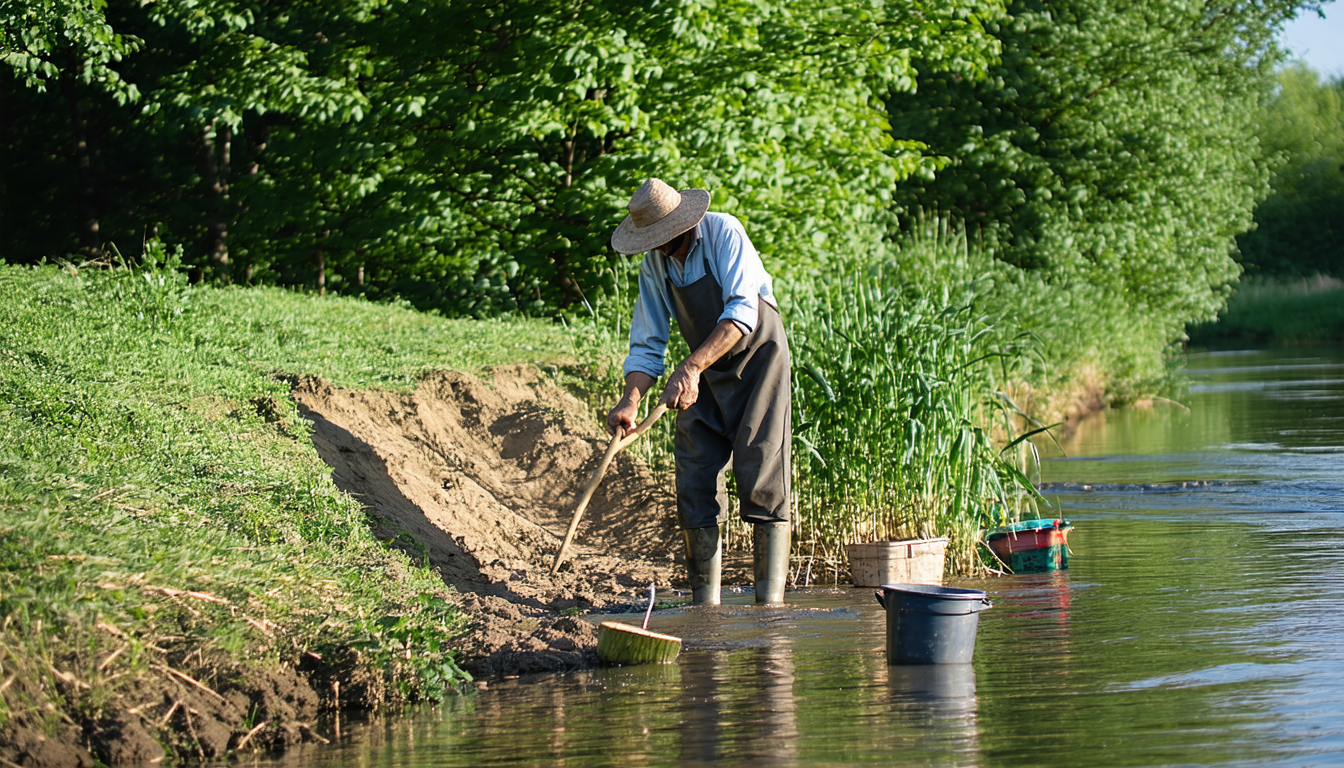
x=153, y=142
x=498, y=156
x=474, y=156
x=43, y=40
x=1111, y=152
x=1299, y=228
x=69, y=43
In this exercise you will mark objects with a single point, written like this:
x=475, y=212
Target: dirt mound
x=482, y=476
x=479, y=476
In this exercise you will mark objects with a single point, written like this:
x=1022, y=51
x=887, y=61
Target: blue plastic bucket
x=930, y=624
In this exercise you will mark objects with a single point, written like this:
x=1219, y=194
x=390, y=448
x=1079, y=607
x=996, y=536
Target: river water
x=1201, y=623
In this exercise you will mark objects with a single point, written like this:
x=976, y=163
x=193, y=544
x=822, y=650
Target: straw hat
x=658, y=213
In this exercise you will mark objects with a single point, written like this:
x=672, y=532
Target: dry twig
x=202, y=596
x=188, y=678
x=243, y=741
x=69, y=678
x=113, y=655
x=314, y=733
x=261, y=625
x=113, y=489
x=110, y=629
x=164, y=722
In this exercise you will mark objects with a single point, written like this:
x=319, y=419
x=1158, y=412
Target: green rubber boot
x=704, y=563
x=770, y=560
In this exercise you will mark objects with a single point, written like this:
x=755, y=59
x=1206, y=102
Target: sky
x=1319, y=42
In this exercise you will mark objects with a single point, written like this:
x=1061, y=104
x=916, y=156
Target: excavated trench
x=479, y=476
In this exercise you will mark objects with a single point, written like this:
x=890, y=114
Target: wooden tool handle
x=618, y=441
x=644, y=425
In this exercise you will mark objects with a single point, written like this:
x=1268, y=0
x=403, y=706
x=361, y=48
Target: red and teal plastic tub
x=1032, y=546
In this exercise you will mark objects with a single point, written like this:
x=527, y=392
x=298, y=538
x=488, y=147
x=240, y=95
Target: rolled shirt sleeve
x=738, y=268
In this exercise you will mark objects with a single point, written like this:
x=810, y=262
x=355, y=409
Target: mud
x=171, y=717
x=480, y=476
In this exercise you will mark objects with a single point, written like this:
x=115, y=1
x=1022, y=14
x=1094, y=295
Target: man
x=732, y=392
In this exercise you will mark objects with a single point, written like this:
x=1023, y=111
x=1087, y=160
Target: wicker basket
x=908, y=561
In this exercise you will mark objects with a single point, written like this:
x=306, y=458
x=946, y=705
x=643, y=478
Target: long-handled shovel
x=618, y=441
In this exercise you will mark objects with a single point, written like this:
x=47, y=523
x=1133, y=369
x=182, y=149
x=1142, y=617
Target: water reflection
x=1251, y=402
x=778, y=716
x=1199, y=623
x=702, y=713
x=1041, y=601
x=928, y=693
x=740, y=706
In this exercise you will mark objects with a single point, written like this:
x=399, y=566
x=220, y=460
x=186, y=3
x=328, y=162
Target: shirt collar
x=695, y=238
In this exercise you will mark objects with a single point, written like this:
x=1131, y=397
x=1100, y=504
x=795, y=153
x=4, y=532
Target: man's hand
x=622, y=416
x=683, y=387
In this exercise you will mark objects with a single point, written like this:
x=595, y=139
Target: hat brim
x=631, y=239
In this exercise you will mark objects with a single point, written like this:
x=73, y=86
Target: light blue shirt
x=719, y=245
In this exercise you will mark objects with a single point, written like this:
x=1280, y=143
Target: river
x=1201, y=623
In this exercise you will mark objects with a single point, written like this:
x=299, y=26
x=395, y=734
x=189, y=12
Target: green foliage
x=1269, y=310
x=1110, y=155
x=418, y=637
x=42, y=40
x=543, y=122
x=480, y=168
x=1299, y=228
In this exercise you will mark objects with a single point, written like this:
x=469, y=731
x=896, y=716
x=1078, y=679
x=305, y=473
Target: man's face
x=673, y=245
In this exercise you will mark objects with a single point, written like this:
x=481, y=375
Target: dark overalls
x=742, y=414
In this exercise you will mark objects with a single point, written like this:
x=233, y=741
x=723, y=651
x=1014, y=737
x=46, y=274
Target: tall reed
x=896, y=401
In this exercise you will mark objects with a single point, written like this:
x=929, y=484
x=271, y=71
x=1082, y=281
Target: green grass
x=158, y=487
x=1279, y=311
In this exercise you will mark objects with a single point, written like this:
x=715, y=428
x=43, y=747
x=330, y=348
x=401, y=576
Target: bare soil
x=477, y=475
x=168, y=716
x=480, y=477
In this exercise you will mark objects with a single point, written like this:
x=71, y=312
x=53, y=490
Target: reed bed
x=901, y=429
x=897, y=400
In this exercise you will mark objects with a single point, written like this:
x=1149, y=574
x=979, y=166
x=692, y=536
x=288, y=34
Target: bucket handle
x=984, y=600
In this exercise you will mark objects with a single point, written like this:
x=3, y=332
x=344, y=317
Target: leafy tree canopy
x=475, y=156
x=1111, y=150
x=1300, y=226
x=43, y=39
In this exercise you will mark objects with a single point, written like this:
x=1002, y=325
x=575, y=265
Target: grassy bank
x=1278, y=311
x=161, y=507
